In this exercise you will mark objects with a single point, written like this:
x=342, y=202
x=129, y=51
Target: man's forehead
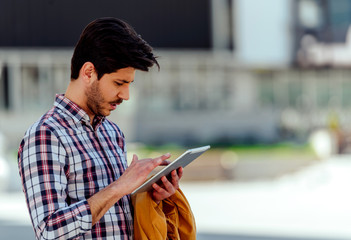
x=124, y=74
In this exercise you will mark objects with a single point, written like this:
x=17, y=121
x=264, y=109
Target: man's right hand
x=138, y=171
x=132, y=178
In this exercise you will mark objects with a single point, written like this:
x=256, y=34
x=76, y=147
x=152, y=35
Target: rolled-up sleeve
x=43, y=168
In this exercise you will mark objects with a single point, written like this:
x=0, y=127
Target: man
x=72, y=161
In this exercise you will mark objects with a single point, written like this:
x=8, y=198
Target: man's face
x=105, y=94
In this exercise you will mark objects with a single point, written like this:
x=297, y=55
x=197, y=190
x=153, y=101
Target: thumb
x=135, y=158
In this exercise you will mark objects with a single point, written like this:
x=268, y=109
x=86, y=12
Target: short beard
x=95, y=99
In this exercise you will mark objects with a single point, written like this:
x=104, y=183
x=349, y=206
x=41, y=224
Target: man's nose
x=124, y=93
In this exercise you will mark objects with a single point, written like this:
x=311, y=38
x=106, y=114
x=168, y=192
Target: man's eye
x=119, y=84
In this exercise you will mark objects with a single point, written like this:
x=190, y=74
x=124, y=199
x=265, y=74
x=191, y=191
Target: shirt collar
x=75, y=111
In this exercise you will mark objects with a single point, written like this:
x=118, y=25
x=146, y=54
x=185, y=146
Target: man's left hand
x=169, y=187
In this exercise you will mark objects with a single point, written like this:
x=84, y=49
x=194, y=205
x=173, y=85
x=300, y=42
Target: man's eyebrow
x=124, y=81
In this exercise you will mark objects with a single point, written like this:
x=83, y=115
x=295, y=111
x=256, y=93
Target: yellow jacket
x=171, y=219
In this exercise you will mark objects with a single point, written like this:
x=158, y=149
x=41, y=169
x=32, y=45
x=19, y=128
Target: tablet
x=182, y=161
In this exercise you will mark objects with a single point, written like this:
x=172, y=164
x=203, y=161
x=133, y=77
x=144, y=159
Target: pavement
x=313, y=203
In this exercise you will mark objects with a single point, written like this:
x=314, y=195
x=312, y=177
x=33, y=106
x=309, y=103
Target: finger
x=174, y=175
x=135, y=158
x=165, y=163
x=158, y=189
x=158, y=161
x=175, y=179
x=165, y=156
x=159, y=193
x=180, y=172
x=168, y=186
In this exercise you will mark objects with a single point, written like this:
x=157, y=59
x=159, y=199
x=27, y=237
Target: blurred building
x=323, y=36
x=232, y=71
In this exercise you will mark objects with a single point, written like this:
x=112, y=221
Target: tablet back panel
x=182, y=161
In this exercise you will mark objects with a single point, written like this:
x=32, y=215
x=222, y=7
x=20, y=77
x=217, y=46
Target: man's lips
x=114, y=104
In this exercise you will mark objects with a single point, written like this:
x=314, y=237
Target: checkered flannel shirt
x=63, y=160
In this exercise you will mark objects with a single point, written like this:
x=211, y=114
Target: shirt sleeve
x=42, y=167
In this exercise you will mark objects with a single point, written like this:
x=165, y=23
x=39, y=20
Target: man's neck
x=75, y=93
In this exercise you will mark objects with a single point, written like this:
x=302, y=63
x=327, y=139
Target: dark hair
x=111, y=44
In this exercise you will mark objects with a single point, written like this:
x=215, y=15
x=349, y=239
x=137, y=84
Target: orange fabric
x=171, y=219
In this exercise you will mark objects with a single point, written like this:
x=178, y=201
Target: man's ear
x=87, y=71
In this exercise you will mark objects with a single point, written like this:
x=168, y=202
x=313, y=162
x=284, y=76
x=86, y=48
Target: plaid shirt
x=63, y=160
